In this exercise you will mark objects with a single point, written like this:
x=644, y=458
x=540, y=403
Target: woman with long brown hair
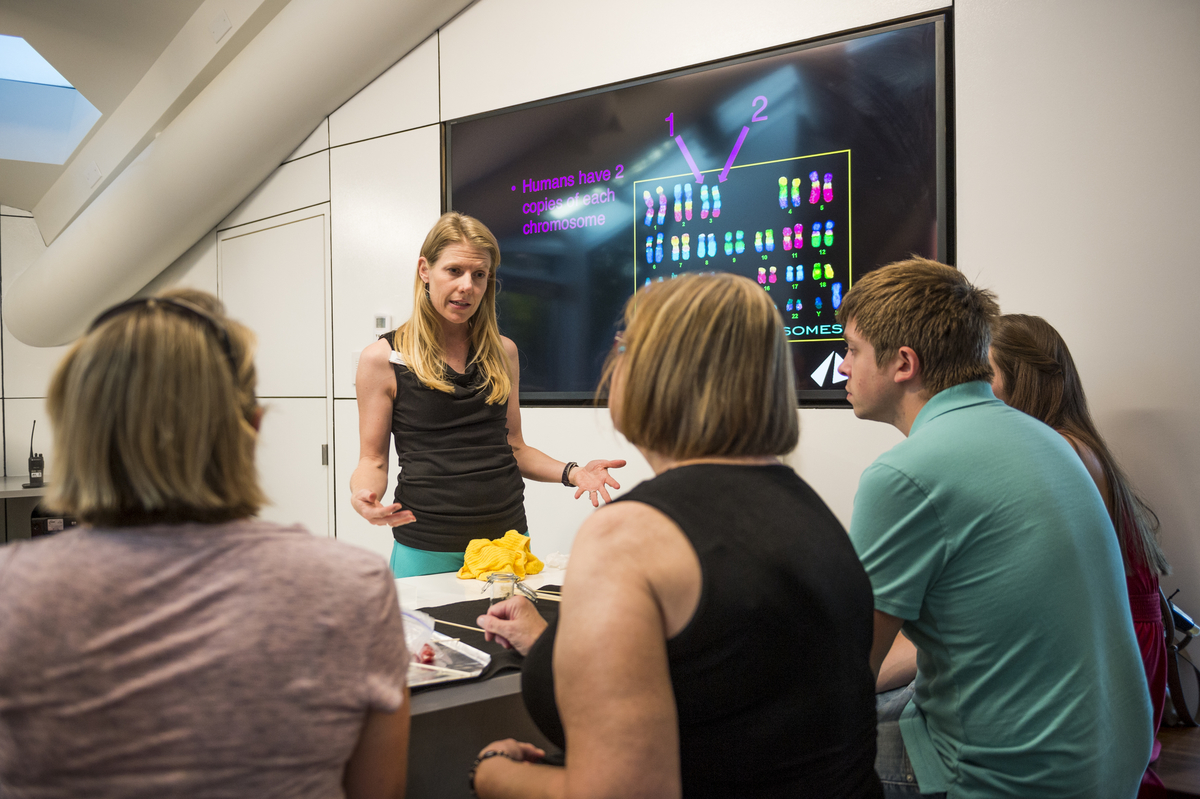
x=1035, y=373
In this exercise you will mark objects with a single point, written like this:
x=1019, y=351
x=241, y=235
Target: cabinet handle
x=324, y=454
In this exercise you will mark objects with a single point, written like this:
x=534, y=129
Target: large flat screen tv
x=802, y=168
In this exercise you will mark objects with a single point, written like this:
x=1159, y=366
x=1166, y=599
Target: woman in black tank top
x=716, y=625
x=445, y=385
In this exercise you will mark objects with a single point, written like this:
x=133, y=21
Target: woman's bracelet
x=566, y=478
x=475, y=767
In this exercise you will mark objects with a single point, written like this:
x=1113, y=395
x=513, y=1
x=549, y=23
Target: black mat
x=503, y=660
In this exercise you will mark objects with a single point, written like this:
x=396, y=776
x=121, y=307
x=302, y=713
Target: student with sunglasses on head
x=173, y=644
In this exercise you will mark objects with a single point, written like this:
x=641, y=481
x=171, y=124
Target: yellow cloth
x=508, y=554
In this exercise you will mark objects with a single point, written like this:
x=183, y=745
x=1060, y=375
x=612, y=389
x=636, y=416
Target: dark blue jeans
x=891, y=760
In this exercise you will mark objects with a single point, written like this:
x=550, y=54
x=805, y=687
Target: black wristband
x=566, y=478
x=475, y=765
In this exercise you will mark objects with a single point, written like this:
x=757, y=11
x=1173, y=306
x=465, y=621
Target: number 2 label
x=759, y=116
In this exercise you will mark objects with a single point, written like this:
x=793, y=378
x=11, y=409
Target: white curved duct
x=312, y=57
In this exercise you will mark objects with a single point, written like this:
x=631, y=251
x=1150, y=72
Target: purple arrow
x=690, y=161
x=729, y=163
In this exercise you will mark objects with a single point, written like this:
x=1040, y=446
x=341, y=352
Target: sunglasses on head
x=179, y=308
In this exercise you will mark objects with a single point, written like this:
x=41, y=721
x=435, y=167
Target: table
x=18, y=504
x=452, y=723
x=10, y=487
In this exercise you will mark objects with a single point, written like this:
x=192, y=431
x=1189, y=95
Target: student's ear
x=908, y=365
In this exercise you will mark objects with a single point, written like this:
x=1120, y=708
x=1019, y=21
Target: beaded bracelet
x=475, y=766
x=566, y=478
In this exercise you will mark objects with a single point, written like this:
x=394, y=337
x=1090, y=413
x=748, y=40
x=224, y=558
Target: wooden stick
x=463, y=626
x=549, y=597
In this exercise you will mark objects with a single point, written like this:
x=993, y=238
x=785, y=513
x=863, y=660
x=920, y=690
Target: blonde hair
x=705, y=371
x=153, y=413
x=931, y=308
x=419, y=340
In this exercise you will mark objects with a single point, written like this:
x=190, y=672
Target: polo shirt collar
x=963, y=395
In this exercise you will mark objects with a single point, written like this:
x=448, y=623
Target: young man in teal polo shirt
x=989, y=546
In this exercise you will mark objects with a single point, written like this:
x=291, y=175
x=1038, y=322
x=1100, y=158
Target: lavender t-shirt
x=233, y=660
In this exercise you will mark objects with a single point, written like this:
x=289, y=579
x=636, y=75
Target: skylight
x=42, y=117
x=20, y=62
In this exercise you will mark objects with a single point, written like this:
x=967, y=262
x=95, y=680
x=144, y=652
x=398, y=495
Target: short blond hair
x=931, y=308
x=154, y=418
x=419, y=340
x=706, y=371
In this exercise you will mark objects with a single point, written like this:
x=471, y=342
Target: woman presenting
x=445, y=384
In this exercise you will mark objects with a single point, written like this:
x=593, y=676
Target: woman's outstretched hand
x=594, y=480
x=514, y=623
x=367, y=504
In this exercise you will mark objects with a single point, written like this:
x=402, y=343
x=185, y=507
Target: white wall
x=1078, y=180
x=1076, y=174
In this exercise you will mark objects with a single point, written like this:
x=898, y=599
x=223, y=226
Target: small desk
x=18, y=504
x=452, y=723
x=10, y=487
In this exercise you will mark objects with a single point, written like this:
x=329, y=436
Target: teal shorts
x=409, y=562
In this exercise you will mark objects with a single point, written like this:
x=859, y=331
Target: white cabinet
x=274, y=276
x=290, y=462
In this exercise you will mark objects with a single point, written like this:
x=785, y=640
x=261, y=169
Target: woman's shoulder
x=510, y=347
x=1091, y=461
x=627, y=536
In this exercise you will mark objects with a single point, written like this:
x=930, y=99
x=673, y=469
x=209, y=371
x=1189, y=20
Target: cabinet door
x=273, y=276
x=290, y=463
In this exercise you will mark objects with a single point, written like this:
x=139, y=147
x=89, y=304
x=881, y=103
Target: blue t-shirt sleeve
x=899, y=538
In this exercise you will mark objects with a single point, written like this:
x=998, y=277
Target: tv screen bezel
x=943, y=106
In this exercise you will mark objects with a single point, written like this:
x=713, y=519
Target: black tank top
x=457, y=471
x=772, y=675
